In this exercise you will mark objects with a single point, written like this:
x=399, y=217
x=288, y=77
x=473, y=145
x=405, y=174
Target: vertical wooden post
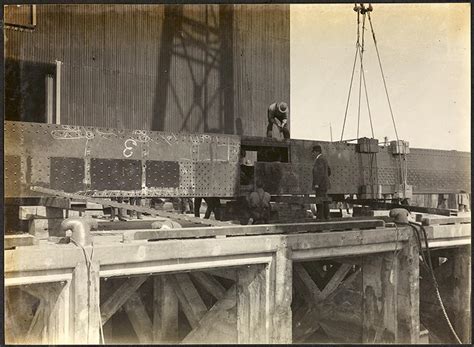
x=251, y=304
x=462, y=293
x=408, y=294
x=58, y=309
x=85, y=304
x=379, y=298
x=283, y=281
x=165, y=311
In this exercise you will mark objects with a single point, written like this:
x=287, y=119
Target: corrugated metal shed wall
x=262, y=62
x=194, y=68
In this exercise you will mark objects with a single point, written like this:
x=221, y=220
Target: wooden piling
x=379, y=298
x=85, y=309
x=461, y=291
x=251, y=304
x=408, y=294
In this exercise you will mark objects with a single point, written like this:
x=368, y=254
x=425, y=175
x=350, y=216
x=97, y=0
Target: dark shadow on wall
x=204, y=48
x=239, y=129
x=172, y=23
x=226, y=20
x=25, y=90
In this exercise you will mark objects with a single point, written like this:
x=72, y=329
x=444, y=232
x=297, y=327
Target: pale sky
x=425, y=53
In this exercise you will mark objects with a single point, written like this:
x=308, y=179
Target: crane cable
x=383, y=75
x=403, y=167
x=352, y=76
x=359, y=52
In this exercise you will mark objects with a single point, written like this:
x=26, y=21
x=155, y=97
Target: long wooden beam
x=139, y=318
x=105, y=202
x=17, y=261
x=119, y=297
x=189, y=299
x=220, y=313
x=264, y=229
x=305, y=285
x=208, y=282
x=387, y=206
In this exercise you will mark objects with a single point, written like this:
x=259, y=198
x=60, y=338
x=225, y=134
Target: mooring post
x=85, y=308
x=462, y=292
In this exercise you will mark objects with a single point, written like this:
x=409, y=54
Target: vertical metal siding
x=115, y=67
x=262, y=66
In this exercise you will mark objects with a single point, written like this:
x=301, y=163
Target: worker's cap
x=282, y=106
x=317, y=148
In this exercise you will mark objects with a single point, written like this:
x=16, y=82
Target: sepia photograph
x=237, y=173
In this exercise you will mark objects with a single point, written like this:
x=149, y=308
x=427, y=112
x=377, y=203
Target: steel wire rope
x=383, y=75
x=361, y=75
x=403, y=178
x=352, y=76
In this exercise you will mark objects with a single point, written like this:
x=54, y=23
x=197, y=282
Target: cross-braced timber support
x=265, y=287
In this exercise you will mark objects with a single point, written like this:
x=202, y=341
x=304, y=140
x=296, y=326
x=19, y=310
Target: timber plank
x=447, y=220
x=119, y=297
x=165, y=311
x=12, y=326
x=265, y=229
x=251, y=304
x=209, y=283
x=306, y=323
x=230, y=274
x=105, y=202
x=335, y=280
x=37, y=325
x=306, y=286
x=138, y=316
x=48, y=201
x=222, y=313
x=282, y=315
x=191, y=303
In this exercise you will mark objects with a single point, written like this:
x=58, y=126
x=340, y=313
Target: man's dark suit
x=321, y=173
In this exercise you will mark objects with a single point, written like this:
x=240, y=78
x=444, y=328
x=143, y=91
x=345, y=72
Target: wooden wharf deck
x=236, y=284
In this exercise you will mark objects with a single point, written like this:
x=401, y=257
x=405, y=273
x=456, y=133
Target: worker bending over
x=321, y=182
x=278, y=115
x=259, y=205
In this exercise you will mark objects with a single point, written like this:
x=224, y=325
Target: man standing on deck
x=321, y=182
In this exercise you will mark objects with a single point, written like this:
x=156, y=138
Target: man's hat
x=282, y=106
x=317, y=148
